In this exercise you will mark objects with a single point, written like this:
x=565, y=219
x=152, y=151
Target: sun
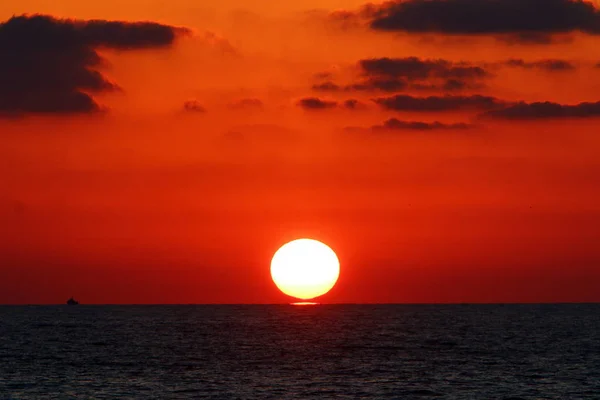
x=305, y=268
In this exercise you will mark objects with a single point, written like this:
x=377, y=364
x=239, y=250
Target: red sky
x=190, y=155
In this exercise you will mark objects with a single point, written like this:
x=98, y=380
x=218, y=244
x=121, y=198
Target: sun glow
x=305, y=268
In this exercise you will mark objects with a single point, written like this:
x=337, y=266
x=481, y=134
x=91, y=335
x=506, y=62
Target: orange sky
x=151, y=203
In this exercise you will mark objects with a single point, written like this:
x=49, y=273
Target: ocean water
x=291, y=352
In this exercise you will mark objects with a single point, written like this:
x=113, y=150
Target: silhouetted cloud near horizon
x=194, y=106
x=439, y=103
x=396, y=74
x=371, y=84
x=379, y=84
x=395, y=124
x=544, y=110
x=414, y=68
x=546, y=65
x=411, y=73
x=353, y=104
x=47, y=65
x=314, y=103
x=393, y=85
x=526, y=21
x=327, y=86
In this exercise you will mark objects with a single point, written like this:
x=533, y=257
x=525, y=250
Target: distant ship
x=72, y=302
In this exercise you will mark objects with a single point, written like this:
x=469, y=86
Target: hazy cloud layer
x=47, y=65
x=439, y=103
x=247, y=104
x=544, y=110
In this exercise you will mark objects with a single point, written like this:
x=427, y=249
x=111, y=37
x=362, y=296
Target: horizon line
x=317, y=304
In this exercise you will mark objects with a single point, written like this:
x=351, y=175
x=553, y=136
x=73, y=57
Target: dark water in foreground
x=281, y=352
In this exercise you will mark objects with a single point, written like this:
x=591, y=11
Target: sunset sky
x=162, y=151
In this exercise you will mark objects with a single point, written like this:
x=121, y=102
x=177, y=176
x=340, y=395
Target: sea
x=507, y=352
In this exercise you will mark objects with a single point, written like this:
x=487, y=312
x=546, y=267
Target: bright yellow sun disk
x=305, y=269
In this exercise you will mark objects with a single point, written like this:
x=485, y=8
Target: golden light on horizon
x=305, y=269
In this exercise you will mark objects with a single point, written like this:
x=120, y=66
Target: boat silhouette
x=72, y=302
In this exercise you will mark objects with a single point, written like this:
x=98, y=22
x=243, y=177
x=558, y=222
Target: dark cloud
x=379, y=84
x=455, y=85
x=194, y=106
x=373, y=84
x=411, y=73
x=439, y=103
x=544, y=110
x=247, y=104
x=547, y=65
x=522, y=20
x=450, y=85
x=353, y=104
x=326, y=87
x=531, y=38
x=314, y=103
x=48, y=65
x=413, y=68
x=489, y=16
x=396, y=124
x=398, y=85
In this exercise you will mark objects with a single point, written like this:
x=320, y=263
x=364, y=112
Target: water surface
x=281, y=351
